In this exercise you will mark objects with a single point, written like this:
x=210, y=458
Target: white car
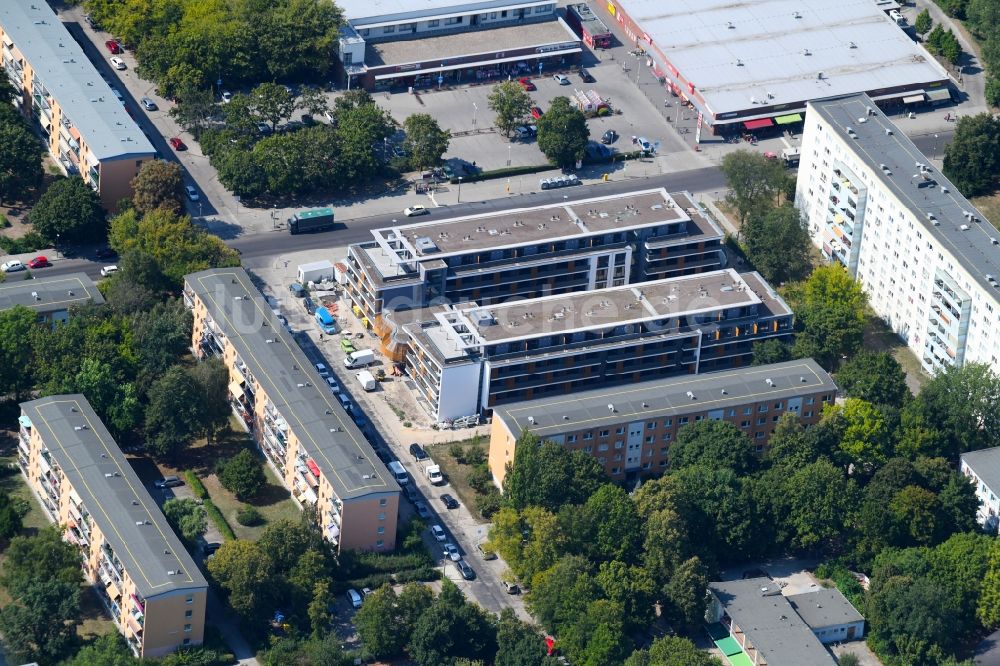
x=227, y=97
x=451, y=552
x=117, y=63
x=334, y=386
x=561, y=79
x=413, y=211
x=108, y=270
x=355, y=598
x=192, y=193
x=12, y=266
x=321, y=369
x=644, y=144
x=438, y=533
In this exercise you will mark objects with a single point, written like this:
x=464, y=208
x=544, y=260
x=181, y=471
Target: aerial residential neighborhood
x=499, y=332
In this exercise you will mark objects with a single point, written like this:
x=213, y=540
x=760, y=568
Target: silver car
x=148, y=104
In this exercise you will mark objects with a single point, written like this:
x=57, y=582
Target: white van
x=399, y=472
x=897, y=17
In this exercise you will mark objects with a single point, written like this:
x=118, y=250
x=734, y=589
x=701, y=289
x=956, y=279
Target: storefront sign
x=697, y=132
x=407, y=67
x=555, y=47
x=611, y=9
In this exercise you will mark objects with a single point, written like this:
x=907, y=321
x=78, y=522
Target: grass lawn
x=458, y=474
x=990, y=207
x=274, y=503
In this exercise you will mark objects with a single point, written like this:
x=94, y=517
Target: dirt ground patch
x=274, y=503
x=879, y=337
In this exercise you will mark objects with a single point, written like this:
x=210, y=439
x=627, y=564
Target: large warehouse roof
x=767, y=53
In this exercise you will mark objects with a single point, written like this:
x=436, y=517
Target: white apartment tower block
x=928, y=260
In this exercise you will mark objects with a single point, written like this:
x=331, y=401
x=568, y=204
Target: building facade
x=928, y=260
x=982, y=468
x=629, y=428
x=151, y=587
x=84, y=125
x=469, y=359
x=304, y=433
x=533, y=252
x=50, y=297
x=408, y=43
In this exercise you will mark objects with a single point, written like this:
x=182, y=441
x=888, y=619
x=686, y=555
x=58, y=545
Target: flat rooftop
x=119, y=504
x=824, y=607
x=615, y=306
x=485, y=41
x=70, y=78
x=771, y=52
x=659, y=397
x=363, y=13
x=770, y=623
x=974, y=248
x=49, y=294
x=291, y=382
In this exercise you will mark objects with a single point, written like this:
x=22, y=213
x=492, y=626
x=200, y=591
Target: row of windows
x=451, y=20
x=684, y=420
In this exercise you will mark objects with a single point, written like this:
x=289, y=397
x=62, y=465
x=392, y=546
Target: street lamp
x=508, y=154
x=475, y=110
x=459, y=190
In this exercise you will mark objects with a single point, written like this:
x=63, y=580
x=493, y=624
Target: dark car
x=307, y=119
x=417, y=452
x=609, y=137
x=297, y=290
x=449, y=501
x=212, y=547
x=310, y=306
x=105, y=253
x=586, y=77
x=465, y=569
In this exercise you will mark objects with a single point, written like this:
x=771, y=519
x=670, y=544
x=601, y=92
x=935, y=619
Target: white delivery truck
x=434, y=475
x=367, y=380
x=398, y=472
x=359, y=358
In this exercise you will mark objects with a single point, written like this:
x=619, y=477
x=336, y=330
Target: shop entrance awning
x=760, y=123
x=789, y=119
x=913, y=99
x=938, y=95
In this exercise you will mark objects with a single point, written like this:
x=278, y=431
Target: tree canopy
x=511, y=103
x=425, y=141
x=563, y=133
x=69, y=211
x=548, y=475
x=755, y=183
x=972, y=158
x=159, y=184
x=778, y=243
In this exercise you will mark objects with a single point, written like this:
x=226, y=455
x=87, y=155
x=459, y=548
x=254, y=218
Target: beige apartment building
x=81, y=118
x=147, y=581
x=301, y=428
x=629, y=428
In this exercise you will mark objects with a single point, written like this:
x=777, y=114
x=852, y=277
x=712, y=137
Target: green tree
x=777, y=243
x=451, y=629
x=771, y=351
x=160, y=335
x=820, y=501
x=16, y=349
x=561, y=594
x=713, y=444
x=69, y=211
x=378, y=625
x=273, y=102
x=20, y=158
x=425, y=141
x=187, y=517
x=173, y=415
x=10, y=517
x=923, y=22
x=914, y=619
x=632, y=589
x=240, y=172
x=963, y=405
x=686, y=593
x=875, y=377
x=754, y=182
x=511, y=104
x=972, y=159
x=672, y=651
x=242, y=474
x=319, y=608
x=988, y=608
x=40, y=558
x=313, y=101
x=830, y=308
x=614, y=523
x=212, y=377
x=39, y=624
x=547, y=475
x=159, y=184
x=597, y=636
x=246, y=572
x=864, y=435
x=519, y=644
x=241, y=114
x=563, y=133
x=358, y=131
x=195, y=109
x=951, y=50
